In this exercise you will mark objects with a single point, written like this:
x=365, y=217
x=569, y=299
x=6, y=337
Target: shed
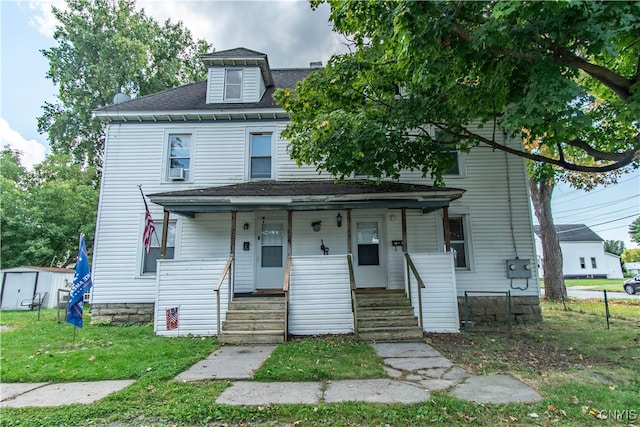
x=21, y=285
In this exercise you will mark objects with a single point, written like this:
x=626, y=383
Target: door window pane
x=272, y=238
x=368, y=243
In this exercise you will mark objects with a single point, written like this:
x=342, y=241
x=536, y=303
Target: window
x=179, y=157
x=260, y=152
x=368, y=243
x=233, y=84
x=459, y=244
x=448, y=145
x=593, y=263
x=149, y=260
x=582, y=263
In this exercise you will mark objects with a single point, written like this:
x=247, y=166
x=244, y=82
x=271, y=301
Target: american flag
x=172, y=318
x=149, y=228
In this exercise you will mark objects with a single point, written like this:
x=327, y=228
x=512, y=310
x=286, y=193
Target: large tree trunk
x=554, y=287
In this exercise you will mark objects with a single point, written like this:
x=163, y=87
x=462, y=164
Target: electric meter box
x=519, y=268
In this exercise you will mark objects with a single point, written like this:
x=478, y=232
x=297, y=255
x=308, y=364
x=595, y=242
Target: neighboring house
x=632, y=268
x=237, y=218
x=583, y=254
x=24, y=287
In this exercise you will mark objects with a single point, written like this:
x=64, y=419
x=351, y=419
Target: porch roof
x=306, y=195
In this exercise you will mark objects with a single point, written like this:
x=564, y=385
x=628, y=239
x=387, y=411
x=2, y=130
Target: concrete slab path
x=414, y=370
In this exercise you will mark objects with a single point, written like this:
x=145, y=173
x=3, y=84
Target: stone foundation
x=122, y=314
x=492, y=310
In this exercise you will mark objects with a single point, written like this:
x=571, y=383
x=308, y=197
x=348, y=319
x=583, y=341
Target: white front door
x=270, y=259
x=369, y=262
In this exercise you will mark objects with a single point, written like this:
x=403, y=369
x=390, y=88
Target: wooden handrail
x=421, y=285
x=223, y=275
x=285, y=289
x=354, y=306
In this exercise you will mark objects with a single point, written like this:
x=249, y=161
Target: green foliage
x=106, y=47
x=562, y=75
x=615, y=247
x=634, y=230
x=43, y=212
x=631, y=255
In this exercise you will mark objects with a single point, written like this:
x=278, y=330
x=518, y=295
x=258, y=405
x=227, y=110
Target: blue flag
x=81, y=284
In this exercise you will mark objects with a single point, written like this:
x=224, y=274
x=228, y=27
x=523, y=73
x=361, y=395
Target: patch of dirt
x=503, y=352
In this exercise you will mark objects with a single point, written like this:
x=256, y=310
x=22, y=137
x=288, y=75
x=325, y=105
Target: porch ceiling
x=303, y=196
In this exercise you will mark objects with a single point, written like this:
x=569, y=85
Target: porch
x=318, y=294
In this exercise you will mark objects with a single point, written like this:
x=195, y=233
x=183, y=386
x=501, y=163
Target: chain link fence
x=609, y=305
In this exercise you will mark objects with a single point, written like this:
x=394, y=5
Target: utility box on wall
x=519, y=268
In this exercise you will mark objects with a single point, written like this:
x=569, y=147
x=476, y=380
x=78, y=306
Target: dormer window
x=233, y=84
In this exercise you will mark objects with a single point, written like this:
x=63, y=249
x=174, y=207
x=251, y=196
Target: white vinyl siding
x=321, y=309
x=439, y=297
x=252, y=87
x=189, y=286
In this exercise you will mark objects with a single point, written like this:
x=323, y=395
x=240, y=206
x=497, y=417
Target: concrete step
x=251, y=337
x=252, y=325
x=391, y=334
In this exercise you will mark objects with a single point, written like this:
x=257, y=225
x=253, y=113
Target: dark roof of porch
x=306, y=195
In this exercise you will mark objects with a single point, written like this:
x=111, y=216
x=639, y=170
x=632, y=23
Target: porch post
x=165, y=233
x=349, y=231
x=404, y=230
x=445, y=227
x=289, y=231
x=232, y=247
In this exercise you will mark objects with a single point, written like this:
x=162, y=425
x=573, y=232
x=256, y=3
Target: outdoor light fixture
x=246, y=226
x=339, y=219
x=316, y=225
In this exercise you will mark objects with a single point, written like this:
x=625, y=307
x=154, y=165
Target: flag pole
x=73, y=342
x=147, y=210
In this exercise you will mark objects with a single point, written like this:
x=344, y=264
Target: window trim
x=226, y=84
x=166, y=161
x=465, y=214
x=594, y=263
x=583, y=263
x=274, y=151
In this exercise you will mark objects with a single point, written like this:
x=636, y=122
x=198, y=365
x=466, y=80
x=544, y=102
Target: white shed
x=20, y=285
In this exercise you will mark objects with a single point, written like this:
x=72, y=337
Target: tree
x=106, y=47
x=43, y=212
x=634, y=230
x=615, y=247
x=562, y=75
x=631, y=255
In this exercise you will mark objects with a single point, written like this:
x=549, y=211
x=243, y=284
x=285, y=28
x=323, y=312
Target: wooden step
x=252, y=325
x=251, y=337
x=384, y=311
x=394, y=321
x=255, y=314
x=391, y=334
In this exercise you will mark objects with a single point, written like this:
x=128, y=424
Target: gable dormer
x=237, y=76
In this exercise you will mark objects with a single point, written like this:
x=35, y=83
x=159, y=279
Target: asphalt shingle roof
x=193, y=96
x=574, y=233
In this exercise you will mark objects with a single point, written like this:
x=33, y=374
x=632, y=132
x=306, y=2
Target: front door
x=369, y=264
x=270, y=259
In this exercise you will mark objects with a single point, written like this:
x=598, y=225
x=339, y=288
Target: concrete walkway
x=414, y=369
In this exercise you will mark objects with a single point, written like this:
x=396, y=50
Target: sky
x=289, y=32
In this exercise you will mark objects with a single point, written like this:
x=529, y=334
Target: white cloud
x=32, y=151
x=42, y=18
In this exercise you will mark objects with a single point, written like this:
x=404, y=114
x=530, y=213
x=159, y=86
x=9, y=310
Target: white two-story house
x=238, y=222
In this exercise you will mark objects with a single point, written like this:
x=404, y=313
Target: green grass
x=314, y=359
x=44, y=350
x=582, y=370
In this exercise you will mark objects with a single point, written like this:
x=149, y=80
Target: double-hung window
x=179, y=160
x=583, y=264
x=260, y=163
x=149, y=259
x=594, y=264
x=233, y=84
x=448, y=145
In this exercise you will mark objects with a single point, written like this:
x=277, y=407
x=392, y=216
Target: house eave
x=114, y=115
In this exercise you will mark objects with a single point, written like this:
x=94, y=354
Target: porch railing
x=411, y=266
x=226, y=273
x=354, y=305
x=285, y=289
